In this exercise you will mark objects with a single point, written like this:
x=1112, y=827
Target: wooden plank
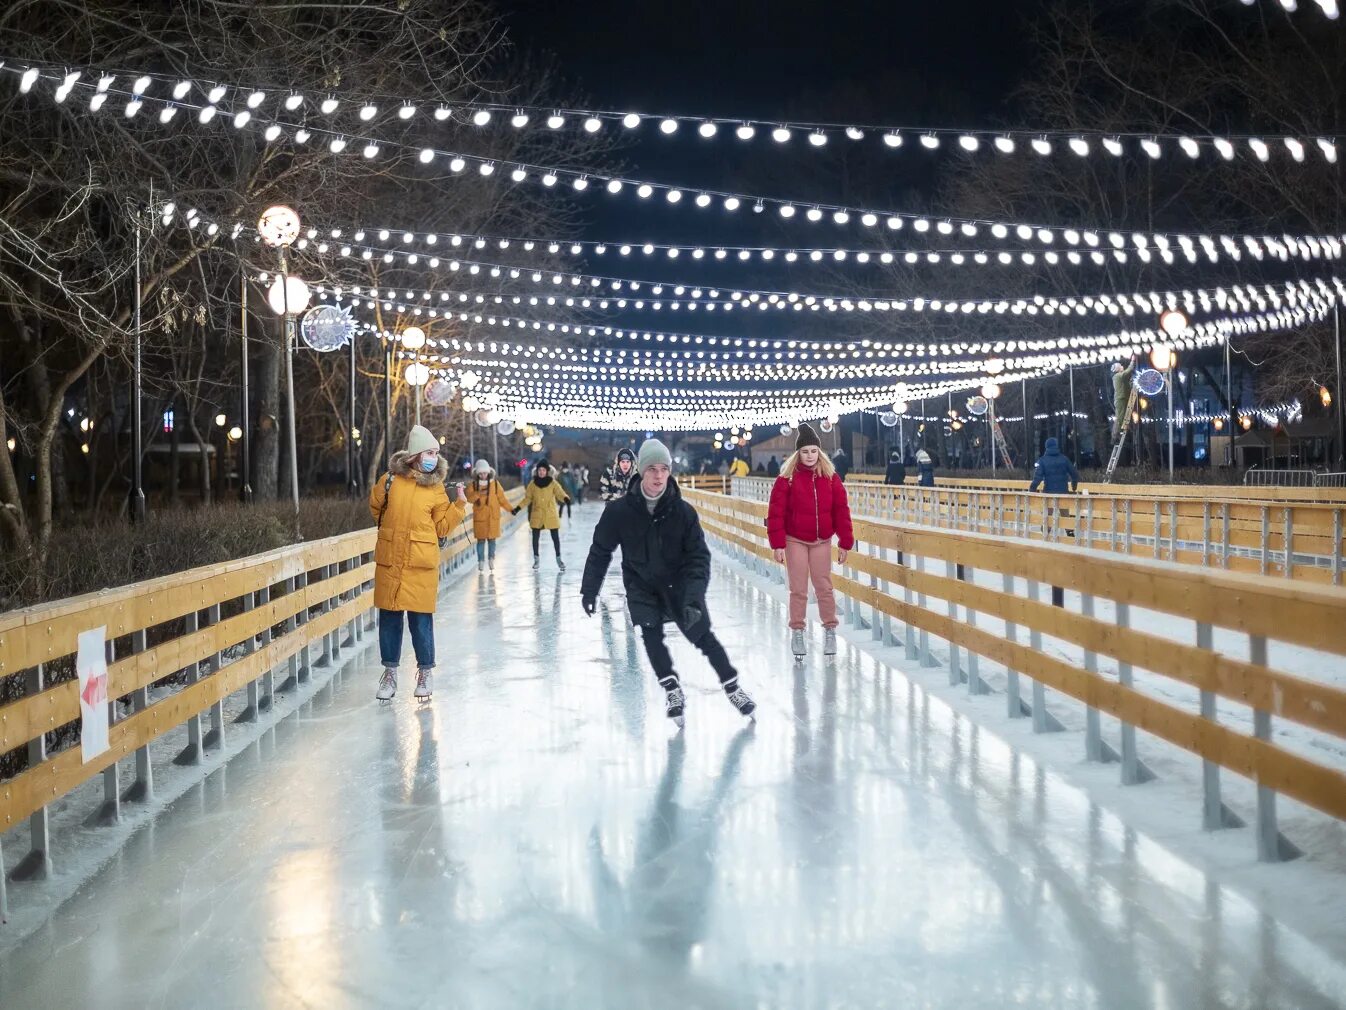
x=34, y=788
x=1321, y=787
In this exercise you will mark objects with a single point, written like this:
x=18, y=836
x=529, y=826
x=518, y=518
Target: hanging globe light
x=439, y=392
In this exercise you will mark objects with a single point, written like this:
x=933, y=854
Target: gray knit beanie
x=653, y=451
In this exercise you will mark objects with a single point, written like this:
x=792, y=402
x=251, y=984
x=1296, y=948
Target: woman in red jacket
x=808, y=508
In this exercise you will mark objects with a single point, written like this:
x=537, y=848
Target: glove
x=516, y=510
x=590, y=604
x=690, y=616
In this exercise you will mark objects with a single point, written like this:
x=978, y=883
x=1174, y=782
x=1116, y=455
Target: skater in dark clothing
x=896, y=472
x=773, y=467
x=666, y=570
x=617, y=478
x=1055, y=473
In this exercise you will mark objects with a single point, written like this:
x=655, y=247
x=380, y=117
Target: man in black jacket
x=666, y=570
x=896, y=472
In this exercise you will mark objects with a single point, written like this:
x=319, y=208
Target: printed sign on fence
x=91, y=665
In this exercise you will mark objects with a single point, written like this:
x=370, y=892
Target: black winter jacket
x=1054, y=472
x=665, y=560
x=895, y=474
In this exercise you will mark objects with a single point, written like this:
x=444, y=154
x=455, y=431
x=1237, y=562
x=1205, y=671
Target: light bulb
x=968, y=142
x=427, y=155
x=1042, y=146
x=929, y=141
x=406, y=112
x=1079, y=146
x=555, y=121
x=745, y=132
x=481, y=117
x=817, y=138
x=328, y=106
x=255, y=99
x=630, y=120
x=293, y=102
x=780, y=135
x=368, y=112
x=707, y=129
x=668, y=126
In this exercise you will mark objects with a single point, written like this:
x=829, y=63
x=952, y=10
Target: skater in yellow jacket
x=488, y=501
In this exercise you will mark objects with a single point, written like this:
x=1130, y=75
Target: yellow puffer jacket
x=415, y=514
x=544, y=504
x=487, y=504
x=738, y=468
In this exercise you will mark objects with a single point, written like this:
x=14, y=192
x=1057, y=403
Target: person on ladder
x=1121, y=393
x=413, y=512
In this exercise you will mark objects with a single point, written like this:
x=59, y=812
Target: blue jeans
x=422, y=637
x=481, y=550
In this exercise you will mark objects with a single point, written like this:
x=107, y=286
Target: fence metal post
x=1266, y=537
x=291, y=625
x=37, y=864
x=1214, y=814
x=109, y=811
x=268, y=676
x=1094, y=747
x=1043, y=721
x=1014, y=702
x=1289, y=543
x=335, y=633
x=249, y=713
x=1158, y=525
x=1126, y=529
x=1336, y=547
x=215, y=738
x=326, y=658
x=908, y=631
x=1272, y=847
x=1134, y=770
x=1173, y=530
x=1224, y=535
x=927, y=659
x=143, y=789
x=305, y=671
x=1205, y=533
x=878, y=619
x=191, y=754
x=975, y=685
x=955, y=665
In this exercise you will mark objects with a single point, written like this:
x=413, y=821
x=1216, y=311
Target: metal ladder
x=1122, y=432
x=999, y=438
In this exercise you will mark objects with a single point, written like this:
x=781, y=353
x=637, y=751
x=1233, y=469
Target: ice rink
x=539, y=836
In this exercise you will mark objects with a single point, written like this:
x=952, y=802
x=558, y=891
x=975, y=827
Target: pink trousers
x=805, y=563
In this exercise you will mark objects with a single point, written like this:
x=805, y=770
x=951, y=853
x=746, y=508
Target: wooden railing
x=1227, y=492
x=988, y=604
x=218, y=629
x=1301, y=541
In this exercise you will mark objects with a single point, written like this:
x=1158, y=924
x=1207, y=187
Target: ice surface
x=539, y=836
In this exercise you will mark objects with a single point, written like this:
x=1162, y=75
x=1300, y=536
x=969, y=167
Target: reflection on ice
x=539, y=837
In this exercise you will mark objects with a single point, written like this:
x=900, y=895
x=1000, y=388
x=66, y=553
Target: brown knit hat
x=806, y=436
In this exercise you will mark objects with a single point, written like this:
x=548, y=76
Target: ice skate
x=797, y=643
x=425, y=684
x=739, y=697
x=829, y=641
x=490, y=565
x=536, y=561
x=673, y=706
x=560, y=564
x=387, y=684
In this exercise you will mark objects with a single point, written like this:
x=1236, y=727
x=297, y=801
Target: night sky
x=909, y=64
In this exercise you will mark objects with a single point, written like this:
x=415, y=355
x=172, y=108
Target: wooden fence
x=895, y=576
x=1302, y=541
x=1227, y=492
x=215, y=630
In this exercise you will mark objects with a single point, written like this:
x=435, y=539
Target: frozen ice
x=539, y=836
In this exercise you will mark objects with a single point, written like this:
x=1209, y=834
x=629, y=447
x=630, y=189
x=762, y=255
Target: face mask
x=428, y=465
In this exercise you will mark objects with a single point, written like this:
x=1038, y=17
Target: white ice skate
x=829, y=641
x=536, y=561
x=425, y=684
x=560, y=564
x=797, y=642
x=387, y=684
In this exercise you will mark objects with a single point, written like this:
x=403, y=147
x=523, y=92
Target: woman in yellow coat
x=543, y=499
x=413, y=511
x=488, y=501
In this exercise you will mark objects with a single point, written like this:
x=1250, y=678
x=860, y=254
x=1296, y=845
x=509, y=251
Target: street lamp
x=991, y=390
x=417, y=375
x=1163, y=358
x=279, y=227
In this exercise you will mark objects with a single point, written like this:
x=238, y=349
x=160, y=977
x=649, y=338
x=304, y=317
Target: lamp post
x=279, y=227
x=417, y=375
x=991, y=390
x=1173, y=323
x=137, y=502
x=413, y=339
x=245, y=409
x=352, y=455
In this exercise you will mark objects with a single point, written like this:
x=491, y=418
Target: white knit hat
x=481, y=467
x=420, y=440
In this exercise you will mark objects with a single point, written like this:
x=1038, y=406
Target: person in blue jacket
x=925, y=466
x=1055, y=473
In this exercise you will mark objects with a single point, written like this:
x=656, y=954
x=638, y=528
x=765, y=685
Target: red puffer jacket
x=809, y=507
